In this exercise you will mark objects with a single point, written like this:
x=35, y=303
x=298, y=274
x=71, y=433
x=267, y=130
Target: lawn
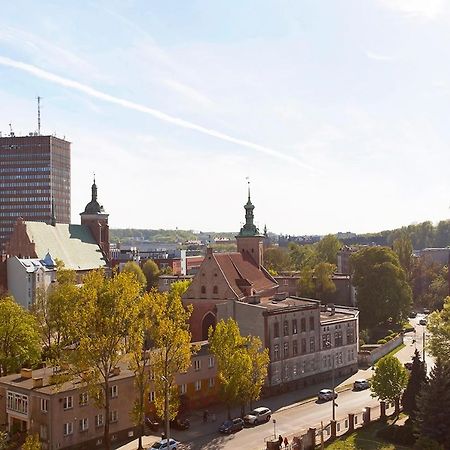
x=365, y=439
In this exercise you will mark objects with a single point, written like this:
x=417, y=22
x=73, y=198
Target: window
x=151, y=396
x=44, y=404
x=203, y=290
x=286, y=350
x=43, y=432
x=338, y=341
x=183, y=389
x=312, y=344
x=68, y=428
x=114, y=391
x=294, y=348
x=83, y=401
x=197, y=364
x=276, y=352
x=285, y=328
x=326, y=340
x=99, y=420
x=68, y=402
x=311, y=323
x=276, y=330
x=198, y=385
x=84, y=424
x=302, y=324
x=215, y=290
x=350, y=336
x=17, y=402
x=303, y=346
x=113, y=416
x=294, y=326
x=211, y=362
x=211, y=382
x=286, y=282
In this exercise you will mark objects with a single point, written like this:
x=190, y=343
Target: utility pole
x=39, y=115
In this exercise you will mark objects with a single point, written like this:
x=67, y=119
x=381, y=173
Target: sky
x=337, y=111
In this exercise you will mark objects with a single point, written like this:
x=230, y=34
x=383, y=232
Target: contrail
x=72, y=84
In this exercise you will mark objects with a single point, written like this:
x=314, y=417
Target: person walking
x=286, y=442
x=280, y=441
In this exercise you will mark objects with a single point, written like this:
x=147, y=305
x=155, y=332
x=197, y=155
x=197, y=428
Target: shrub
x=381, y=341
x=398, y=434
x=388, y=338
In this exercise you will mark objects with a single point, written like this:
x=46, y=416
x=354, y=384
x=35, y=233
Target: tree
x=276, y=259
x=54, y=310
x=302, y=256
x=19, y=338
x=416, y=380
x=382, y=290
x=151, y=272
x=389, y=380
x=327, y=249
x=433, y=412
x=402, y=246
x=32, y=442
x=3, y=440
x=133, y=267
x=172, y=350
x=442, y=234
x=324, y=285
x=439, y=328
x=437, y=290
x=306, y=285
x=105, y=310
x=178, y=288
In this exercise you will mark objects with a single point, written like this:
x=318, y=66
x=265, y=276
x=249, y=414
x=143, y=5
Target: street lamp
x=166, y=408
x=274, y=428
x=333, y=403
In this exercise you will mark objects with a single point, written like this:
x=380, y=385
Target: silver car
x=326, y=394
x=258, y=415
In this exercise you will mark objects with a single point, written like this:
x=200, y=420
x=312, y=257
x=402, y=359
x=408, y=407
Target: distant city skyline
x=336, y=111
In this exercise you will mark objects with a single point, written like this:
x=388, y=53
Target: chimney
x=26, y=373
x=38, y=382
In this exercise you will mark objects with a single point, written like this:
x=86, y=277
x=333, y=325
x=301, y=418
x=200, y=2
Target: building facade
x=34, y=181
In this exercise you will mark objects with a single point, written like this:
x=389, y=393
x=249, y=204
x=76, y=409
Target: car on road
x=180, y=424
x=326, y=394
x=231, y=426
x=164, y=445
x=360, y=385
x=423, y=321
x=258, y=415
x=412, y=315
x=426, y=311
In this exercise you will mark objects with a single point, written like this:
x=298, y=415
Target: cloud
x=378, y=56
x=80, y=87
x=428, y=9
x=189, y=92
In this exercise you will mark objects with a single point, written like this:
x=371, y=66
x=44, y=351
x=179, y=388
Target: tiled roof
x=239, y=272
x=72, y=244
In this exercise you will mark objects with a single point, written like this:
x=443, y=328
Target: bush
x=424, y=443
x=398, y=434
x=388, y=338
x=381, y=341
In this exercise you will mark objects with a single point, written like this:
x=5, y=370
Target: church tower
x=249, y=240
x=96, y=219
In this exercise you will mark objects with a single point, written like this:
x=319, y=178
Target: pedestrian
x=163, y=436
x=280, y=441
x=286, y=442
x=205, y=415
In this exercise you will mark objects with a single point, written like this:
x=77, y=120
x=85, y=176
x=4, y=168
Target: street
x=292, y=414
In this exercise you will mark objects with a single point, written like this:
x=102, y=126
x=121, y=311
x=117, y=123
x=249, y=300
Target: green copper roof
x=94, y=207
x=72, y=244
x=249, y=229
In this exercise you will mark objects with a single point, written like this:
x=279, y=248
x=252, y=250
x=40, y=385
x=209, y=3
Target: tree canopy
x=133, y=267
x=151, y=272
x=417, y=378
x=439, y=328
x=382, y=290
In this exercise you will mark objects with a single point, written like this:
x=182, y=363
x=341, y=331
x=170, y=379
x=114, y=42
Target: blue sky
x=337, y=110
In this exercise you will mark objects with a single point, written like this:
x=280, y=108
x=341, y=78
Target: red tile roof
x=240, y=272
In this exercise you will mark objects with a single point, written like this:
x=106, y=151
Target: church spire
x=94, y=191
x=249, y=229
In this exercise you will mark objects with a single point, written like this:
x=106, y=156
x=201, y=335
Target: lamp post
x=274, y=428
x=166, y=408
x=333, y=402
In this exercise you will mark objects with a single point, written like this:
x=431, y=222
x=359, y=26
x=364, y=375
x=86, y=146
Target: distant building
x=34, y=181
x=439, y=256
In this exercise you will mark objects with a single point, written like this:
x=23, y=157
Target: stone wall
x=369, y=354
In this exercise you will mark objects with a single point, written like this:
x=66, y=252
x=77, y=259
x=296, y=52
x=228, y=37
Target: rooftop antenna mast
x=11, y=132
x=39, y=114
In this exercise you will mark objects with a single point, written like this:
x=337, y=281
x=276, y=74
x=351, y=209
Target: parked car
x=153, y=424
x=164, y=445
x=360, y=385
x=423, y=321
x=258, y=415
x=412, y=315
x=426, y=311
x=231, y=426
x=180, y=424
x=326, y=394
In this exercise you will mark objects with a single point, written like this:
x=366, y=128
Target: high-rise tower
x=34, y=181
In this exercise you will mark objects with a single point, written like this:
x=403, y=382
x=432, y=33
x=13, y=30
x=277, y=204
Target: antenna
x=39, y=114
x=11, y=132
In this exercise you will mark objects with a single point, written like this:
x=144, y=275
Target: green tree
x=133, y=267
x=276, y=260
x=439, y=328
x=306, y=285
x=324, y=284
x=433, y=412
x=172, y=351
x=54, y=310
x=442, y=234
x=178, y=288
x=19, y=337
x=389, y=380
x=105, y=310
x=32, y=442
x=433, y=297
x=302, y=256
x=151, y=272
x=327, y=249
x=416, y=380
x=403, y=248
x=3, y=440
x=382, y=290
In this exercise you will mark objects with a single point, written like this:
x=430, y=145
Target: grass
x=365, y=439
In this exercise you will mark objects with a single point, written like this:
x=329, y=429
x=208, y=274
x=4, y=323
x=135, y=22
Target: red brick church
x=226, y=277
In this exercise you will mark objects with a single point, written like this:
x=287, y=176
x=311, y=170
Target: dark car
x=180, y=424
x=231, y=426
x=412, y=315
